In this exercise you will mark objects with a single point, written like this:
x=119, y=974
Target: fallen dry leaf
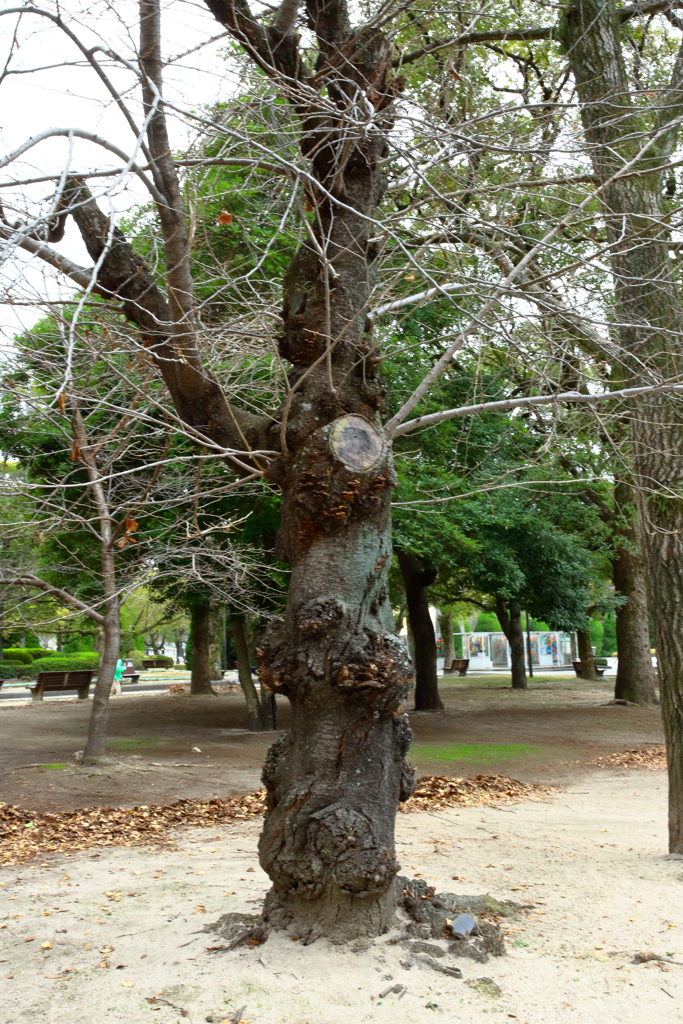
x=127, y=984
x=435, y=791
x=46, y=945
x=122, y=826
x=653, y=758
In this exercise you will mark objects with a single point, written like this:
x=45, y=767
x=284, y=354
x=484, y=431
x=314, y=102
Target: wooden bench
x=459, y=665
x=51, y=682
x=578, y=668
x=130, y=675
x=148, y=663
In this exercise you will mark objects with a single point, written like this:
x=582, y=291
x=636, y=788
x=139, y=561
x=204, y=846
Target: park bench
x=130, y=675
x=458, y=665
x=148, y=663
x=578, y=668
x=50, y=682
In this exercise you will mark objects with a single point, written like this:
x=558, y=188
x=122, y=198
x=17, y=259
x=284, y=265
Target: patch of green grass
x=134, y=743
x=54, y=767
x=486, y=752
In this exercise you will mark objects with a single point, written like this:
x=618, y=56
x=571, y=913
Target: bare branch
x=63, y=595
x=523, y=403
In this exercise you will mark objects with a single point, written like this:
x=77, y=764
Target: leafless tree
x=386, y=176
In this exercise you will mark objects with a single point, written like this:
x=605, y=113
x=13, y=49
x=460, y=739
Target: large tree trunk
x=636, y=676
x=510, y=617
x=447, y=638
x=335, y=780
x=417, y=576
x=586, y=657
x=200, y=638
x=648, y=311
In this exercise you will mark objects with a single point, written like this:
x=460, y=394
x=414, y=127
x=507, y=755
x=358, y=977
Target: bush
x=15, y=670
x=487, y=623
x=41, y=652
x=19, y=654
x=67, y=662
x=61, y=663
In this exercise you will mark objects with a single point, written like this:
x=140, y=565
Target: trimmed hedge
x=19, y=654
x=15, y=670
x=67, y=662
x=57, y=663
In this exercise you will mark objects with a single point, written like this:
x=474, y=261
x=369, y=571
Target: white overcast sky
x=68, y=94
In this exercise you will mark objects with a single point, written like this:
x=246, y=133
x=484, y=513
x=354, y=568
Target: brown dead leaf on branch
x=24, y=834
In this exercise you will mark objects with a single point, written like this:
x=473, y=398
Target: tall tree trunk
x=335, y=780
x=215, y=641
x=510, y=617
x=417, y=576
x=96, y=743
x=648, y=311
x=636, y=676
x=586, y=657
x=179, y=656
x=447, y=638
x=200, y=636
x=254, y=713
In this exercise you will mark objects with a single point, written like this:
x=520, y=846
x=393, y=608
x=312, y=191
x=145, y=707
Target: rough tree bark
x=510, y=617
x=586, y=657
x=648, y=311
x=416, y=577
x=201, y=642
x=636, y=675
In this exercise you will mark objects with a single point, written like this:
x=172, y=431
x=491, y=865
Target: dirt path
x=534, y=736
x=95, y=936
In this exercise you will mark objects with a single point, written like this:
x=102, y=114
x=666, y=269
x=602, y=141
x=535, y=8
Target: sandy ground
x=91, y=937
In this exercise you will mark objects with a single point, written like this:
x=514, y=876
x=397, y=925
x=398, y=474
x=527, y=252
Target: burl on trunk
x=334, y=781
